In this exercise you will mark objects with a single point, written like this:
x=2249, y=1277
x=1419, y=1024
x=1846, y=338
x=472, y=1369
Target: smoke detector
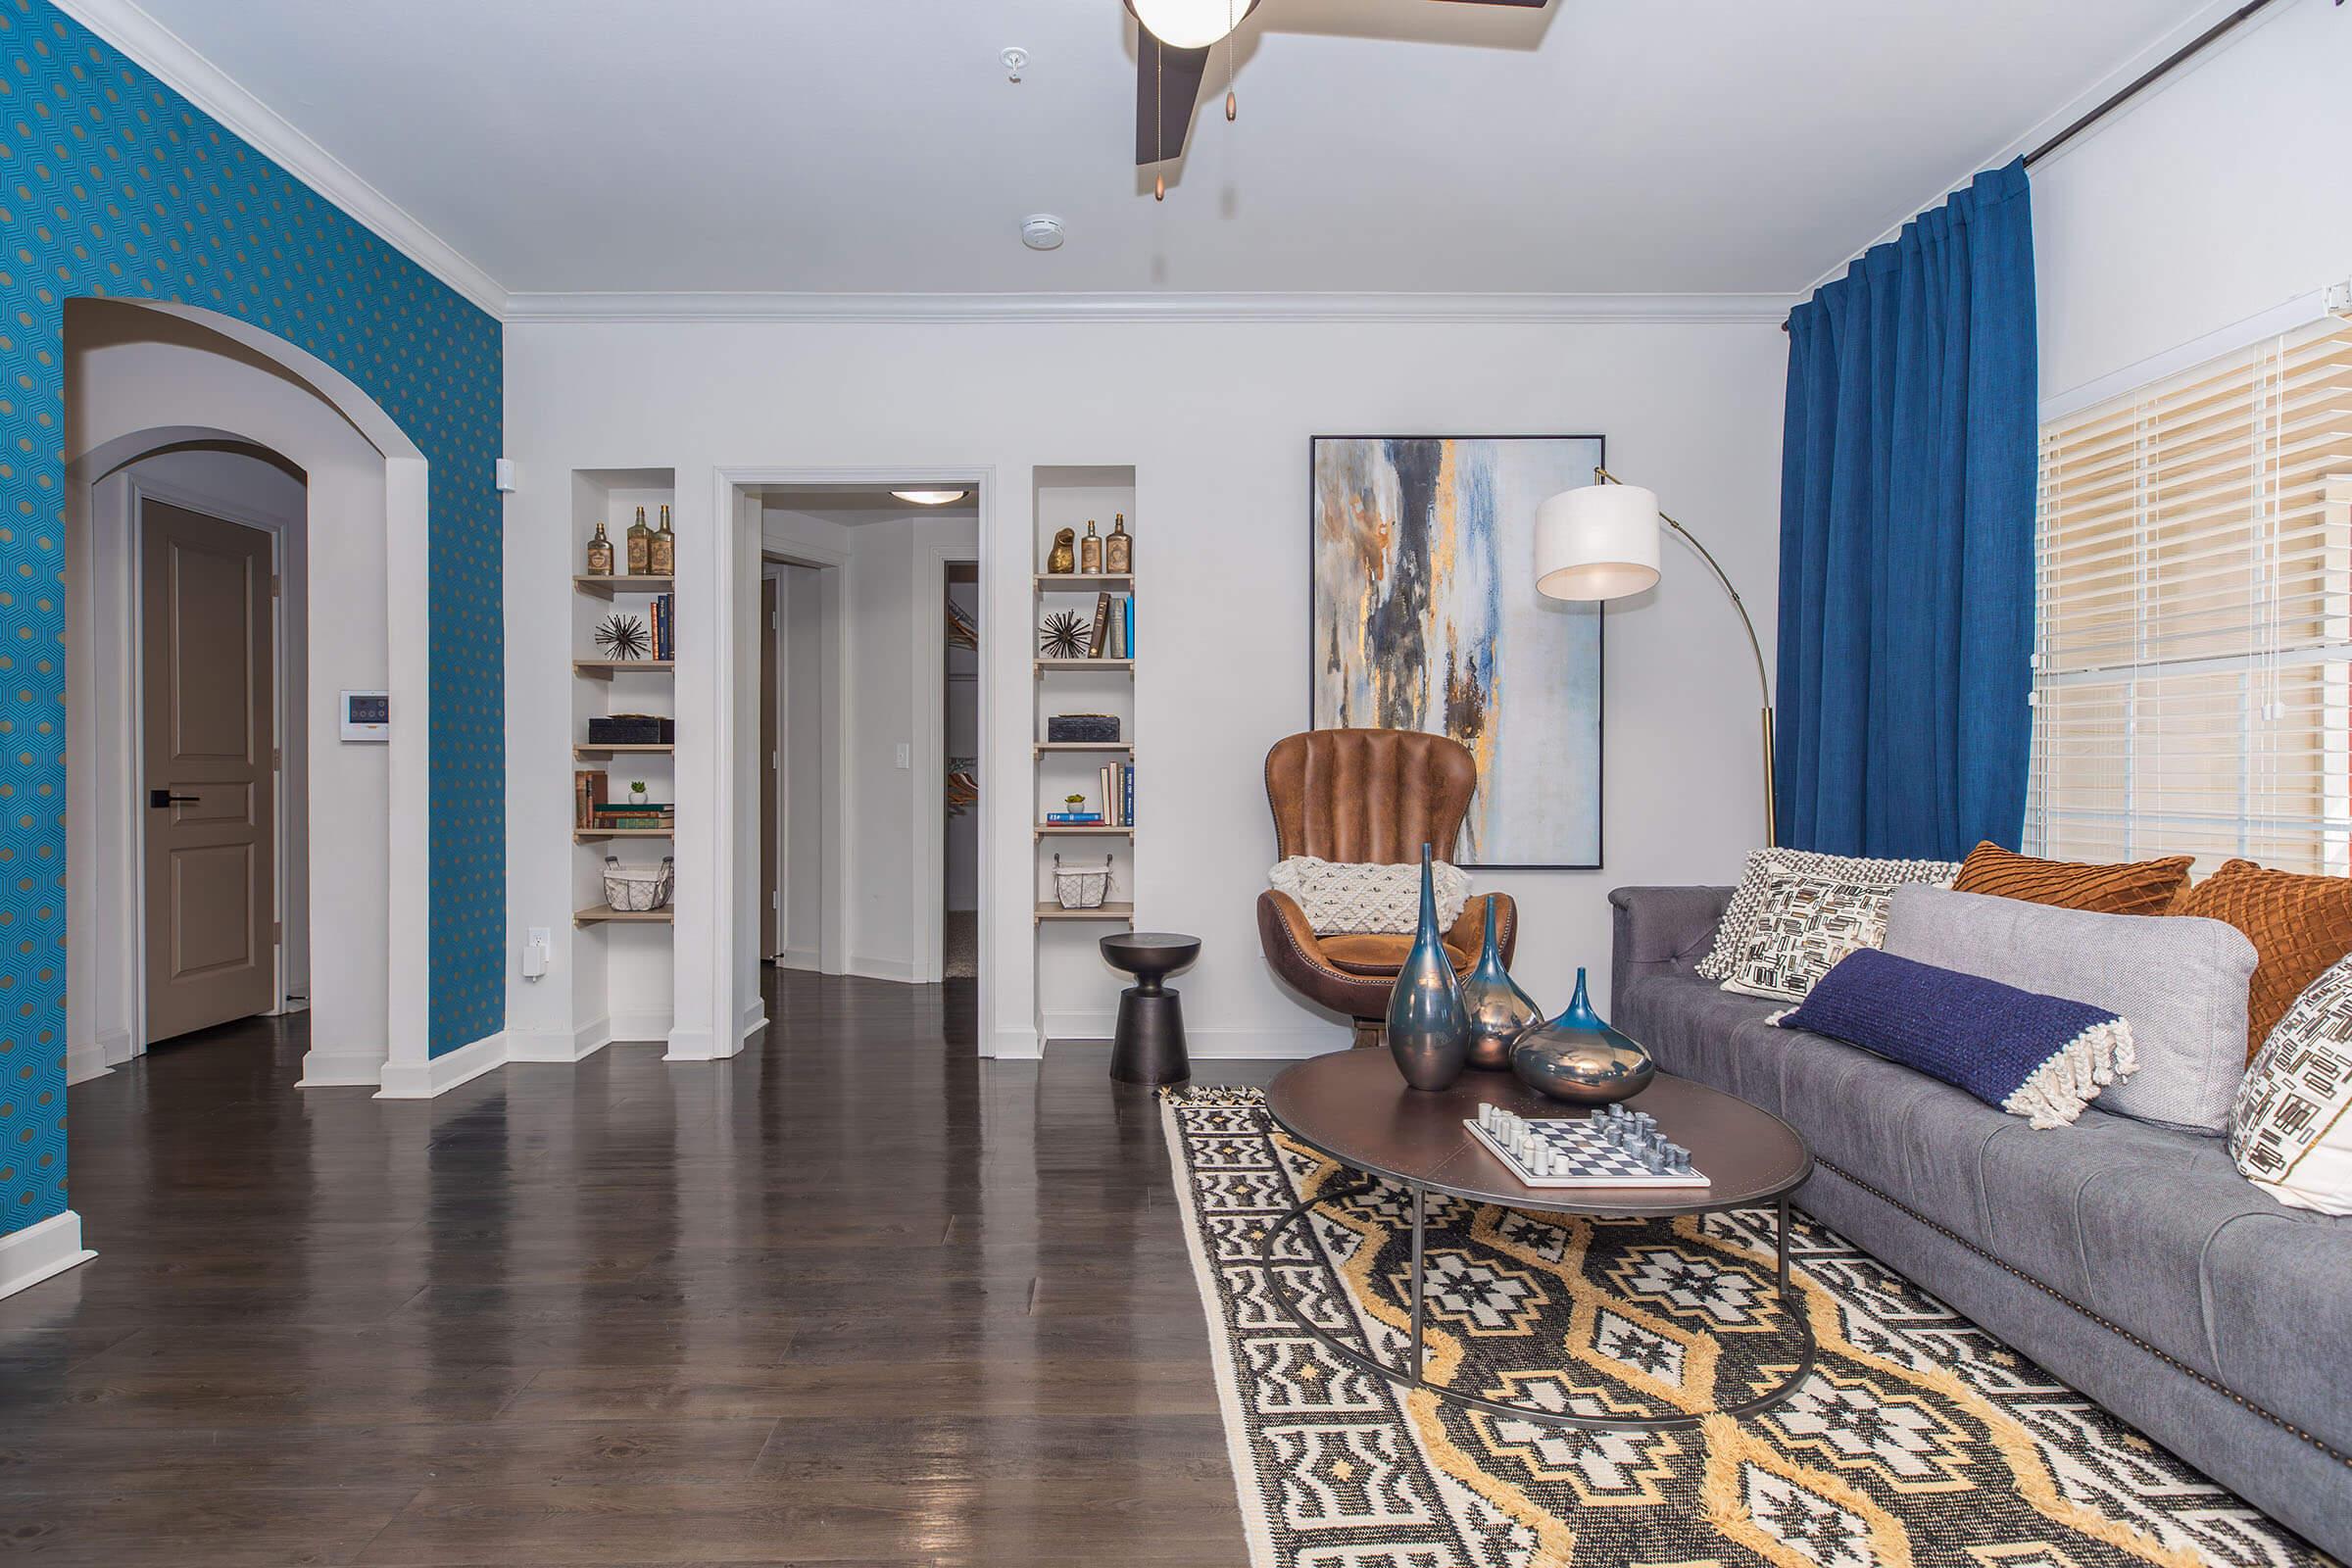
x=1042, y=231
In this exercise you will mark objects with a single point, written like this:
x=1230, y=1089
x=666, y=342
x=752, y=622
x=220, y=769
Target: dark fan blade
x=1533, y=5
x=1164, y=96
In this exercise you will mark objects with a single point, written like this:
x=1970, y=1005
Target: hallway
x=614, y=1313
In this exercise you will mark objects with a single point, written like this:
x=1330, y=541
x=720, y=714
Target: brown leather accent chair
x=1367, y=794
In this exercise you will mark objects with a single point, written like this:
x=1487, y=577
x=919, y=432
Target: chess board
x=1591, y=1159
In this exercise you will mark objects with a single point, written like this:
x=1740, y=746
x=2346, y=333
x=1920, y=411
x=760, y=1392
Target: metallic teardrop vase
x=1500, y=1012
x=1429, y=1034
x=1580, y=1060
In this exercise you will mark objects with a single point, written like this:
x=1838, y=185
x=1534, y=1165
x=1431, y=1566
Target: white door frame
x=833, y=569
x=744, y=542
x=927, y=830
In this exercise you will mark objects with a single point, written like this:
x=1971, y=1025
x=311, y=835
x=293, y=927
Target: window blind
x=2193, y=686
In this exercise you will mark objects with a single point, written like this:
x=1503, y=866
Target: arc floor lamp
x=1601, y=542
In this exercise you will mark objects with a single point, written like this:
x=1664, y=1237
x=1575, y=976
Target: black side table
x=1149, y=1045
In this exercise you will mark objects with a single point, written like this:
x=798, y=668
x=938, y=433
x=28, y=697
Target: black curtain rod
x=2146, y=79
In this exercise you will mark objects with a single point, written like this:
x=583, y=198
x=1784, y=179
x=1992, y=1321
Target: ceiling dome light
x=930, y=498
x=1190, y=23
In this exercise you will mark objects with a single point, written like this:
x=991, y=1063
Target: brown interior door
x=770, y=942
x=205, y=674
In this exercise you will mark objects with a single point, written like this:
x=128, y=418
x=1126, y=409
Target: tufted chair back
x=1375, y=794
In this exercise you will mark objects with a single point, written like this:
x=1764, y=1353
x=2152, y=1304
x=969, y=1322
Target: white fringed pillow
x=1353, y=897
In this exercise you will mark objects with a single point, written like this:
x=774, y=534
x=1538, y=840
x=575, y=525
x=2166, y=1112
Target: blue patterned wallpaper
x=113, y=184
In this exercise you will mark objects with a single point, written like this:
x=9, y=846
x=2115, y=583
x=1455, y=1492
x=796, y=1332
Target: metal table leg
x=1419, y=1201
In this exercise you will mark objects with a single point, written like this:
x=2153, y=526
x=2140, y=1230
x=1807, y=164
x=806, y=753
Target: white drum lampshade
x=1600, y=542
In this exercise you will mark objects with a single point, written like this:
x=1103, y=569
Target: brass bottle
x=1090, y=551
x=641, y=541
x=662, y=554
x=600, y=554
x=1118, y=551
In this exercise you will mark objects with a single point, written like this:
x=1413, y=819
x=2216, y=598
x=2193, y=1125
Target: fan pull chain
x=1233, y=103
x=1159, y=119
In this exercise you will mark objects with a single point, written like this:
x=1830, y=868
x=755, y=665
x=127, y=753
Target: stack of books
x=1118, y=795
x=665, y=626
x=1113, y=633
x=624, y=815
x=589, y=788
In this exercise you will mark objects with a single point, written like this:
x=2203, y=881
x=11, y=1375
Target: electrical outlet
x=906, y=754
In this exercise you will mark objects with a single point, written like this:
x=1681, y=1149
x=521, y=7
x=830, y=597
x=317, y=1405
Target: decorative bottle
x=1497, y=1010
x=1429, y=1034
x=600, y=554
x=661, y=551
x=1579, y=1059
x=641, y=541
x=1118, y=551
x=1090, y=551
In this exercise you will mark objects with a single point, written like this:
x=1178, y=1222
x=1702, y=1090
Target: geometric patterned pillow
x=1809, y=922
x=2291, y=1129
x=1758, y=883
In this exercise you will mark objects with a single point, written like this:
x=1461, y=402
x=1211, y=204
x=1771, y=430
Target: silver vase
x=1428, y=1033
x=1497, y=1010
x=1579, y=1059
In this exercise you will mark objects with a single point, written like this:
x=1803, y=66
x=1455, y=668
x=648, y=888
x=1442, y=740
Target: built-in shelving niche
x=1077, y=993
x=622, y=975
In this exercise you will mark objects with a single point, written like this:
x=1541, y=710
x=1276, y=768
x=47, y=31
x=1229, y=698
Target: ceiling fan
x=1172, y=48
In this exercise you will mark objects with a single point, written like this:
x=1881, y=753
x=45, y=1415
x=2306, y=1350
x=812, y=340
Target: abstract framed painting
x=1426, y=617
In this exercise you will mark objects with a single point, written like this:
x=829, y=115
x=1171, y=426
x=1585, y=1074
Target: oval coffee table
x=1353, y=1107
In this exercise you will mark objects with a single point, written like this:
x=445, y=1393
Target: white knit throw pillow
x=1349, y=896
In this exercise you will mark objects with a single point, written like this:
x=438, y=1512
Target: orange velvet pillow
x=2142, y=887
x=2299, y=926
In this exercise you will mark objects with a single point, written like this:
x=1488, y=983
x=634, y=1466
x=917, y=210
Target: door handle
x=160, y=799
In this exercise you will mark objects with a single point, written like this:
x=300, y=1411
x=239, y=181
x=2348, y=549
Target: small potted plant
x=1074, y=801
x=637, y=793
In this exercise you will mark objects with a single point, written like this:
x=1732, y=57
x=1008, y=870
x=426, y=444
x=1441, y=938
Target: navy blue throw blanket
x=2040, y=1057
x=1907, y=493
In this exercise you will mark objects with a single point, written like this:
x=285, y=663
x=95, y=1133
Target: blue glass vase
x=1497, y=1010
x=1429, y=1034
x=1580, y=1060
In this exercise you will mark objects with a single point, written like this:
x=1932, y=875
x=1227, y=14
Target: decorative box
x=1082, y=727
x=633, y=729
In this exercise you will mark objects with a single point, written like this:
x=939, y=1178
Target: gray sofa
x=2130, y=1261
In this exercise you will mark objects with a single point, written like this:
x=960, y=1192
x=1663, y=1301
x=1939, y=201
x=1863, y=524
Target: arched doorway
x=143, y=380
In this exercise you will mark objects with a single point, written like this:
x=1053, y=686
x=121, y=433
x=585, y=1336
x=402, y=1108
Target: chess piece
x=1063, y=558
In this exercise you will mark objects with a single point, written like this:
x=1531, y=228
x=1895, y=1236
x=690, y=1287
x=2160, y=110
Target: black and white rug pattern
x=1919, y=1439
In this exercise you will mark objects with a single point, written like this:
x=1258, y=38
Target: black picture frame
x=1600, y=818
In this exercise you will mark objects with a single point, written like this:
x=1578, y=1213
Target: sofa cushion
x=2298, y=924
x=2139, y=887
x=1378, y=954
x=2274, y=1289
x=2180, y=985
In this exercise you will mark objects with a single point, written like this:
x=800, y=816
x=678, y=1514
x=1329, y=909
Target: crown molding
x=937, y=308
x=170, y=58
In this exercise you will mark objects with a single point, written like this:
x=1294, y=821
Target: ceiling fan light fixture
x=1188, y=23
x=930, y=498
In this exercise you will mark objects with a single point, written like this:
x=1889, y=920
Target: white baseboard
x=41, y=1252
x=799, y=959
x=1268, y=1045
x=85, y=1062
x=118, y=1047
x=1016, y=1044
x=754, y=1019
x=351, y=1069
x=640, y=1028
x=558, y=1044
x=406, y=1080
x=1079, y=1023
x=898, y=970
x=699, y=1044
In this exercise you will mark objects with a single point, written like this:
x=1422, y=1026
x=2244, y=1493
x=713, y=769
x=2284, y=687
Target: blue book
x=1127, y=794
x=1127, y=615
x=1072, y=819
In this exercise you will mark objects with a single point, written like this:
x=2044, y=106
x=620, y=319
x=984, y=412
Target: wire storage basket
x=1083, y=889
x=639, y=892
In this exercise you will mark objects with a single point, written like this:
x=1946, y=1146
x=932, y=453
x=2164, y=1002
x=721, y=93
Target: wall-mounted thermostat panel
x=367, y=716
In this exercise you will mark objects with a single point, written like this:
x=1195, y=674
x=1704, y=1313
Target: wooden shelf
x=1044, y=664
x=1086, y=746
x=597, y=835
x=1082, y=830
x=1079, y=582
x=598, y=915
x=622, y=750
x=606, y=668
x=607, y=587
x=1122, y=914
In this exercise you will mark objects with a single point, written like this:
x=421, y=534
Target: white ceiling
x=869, y=146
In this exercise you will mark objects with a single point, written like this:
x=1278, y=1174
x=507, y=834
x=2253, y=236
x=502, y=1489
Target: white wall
x=120, y=383
x=1215, y=418
x=2220, y=194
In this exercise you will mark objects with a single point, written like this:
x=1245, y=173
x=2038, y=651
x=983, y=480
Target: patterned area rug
x=1918, y=1440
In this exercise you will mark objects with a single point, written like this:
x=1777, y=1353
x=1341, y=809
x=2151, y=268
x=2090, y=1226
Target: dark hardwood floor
x=855, y=1298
